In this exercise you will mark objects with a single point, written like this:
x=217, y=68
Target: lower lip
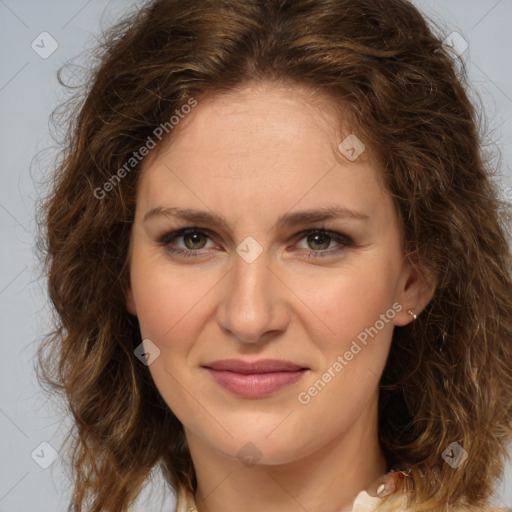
x=255, y=385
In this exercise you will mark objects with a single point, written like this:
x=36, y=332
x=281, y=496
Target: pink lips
x=255, y=379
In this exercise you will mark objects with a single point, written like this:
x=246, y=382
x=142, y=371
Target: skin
x=251, y=156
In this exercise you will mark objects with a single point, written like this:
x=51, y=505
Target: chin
x=260, y=448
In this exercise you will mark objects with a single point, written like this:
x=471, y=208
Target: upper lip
x=260, y=366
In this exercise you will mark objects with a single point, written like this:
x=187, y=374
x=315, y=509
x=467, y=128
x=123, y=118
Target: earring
x=412, y=314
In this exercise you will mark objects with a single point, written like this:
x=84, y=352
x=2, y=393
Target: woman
x=279, y=265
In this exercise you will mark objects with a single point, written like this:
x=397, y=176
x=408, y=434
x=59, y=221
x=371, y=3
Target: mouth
x=255, y=379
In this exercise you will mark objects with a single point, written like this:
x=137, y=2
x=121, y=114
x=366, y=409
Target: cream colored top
x=363, y=502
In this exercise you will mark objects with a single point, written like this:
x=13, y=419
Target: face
x=254, y=278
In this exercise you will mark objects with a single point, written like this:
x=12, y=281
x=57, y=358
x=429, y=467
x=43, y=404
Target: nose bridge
x=250, y=278
x=251, y=306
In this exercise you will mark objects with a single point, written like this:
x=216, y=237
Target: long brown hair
x=449, y=374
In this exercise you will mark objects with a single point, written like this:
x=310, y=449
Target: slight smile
x=255, y=379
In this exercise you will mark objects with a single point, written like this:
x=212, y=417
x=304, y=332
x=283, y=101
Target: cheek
x=352, y=300
x=168, y=304
x=168, y=301
x=357, y=309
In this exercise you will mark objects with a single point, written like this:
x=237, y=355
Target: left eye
x=321, y=239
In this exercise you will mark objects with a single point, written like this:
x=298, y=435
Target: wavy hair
x=449, y=374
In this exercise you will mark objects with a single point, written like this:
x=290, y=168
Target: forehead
x=264, y=146
x=273, y=119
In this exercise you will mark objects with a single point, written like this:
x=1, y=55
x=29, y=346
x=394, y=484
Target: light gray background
x=28, y=93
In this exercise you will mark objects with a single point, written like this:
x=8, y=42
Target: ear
x=415, y=290
x=130, y=301
x=128, y=292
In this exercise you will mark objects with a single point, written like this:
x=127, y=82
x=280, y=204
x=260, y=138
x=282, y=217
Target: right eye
x=194, y=240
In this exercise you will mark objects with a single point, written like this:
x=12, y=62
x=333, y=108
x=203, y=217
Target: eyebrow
x=286, y=220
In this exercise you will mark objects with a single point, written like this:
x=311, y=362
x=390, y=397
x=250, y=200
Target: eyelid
x=330, y=233
x=171, y=235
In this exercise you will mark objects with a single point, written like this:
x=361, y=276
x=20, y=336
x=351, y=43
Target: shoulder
x=363, y=503
x=185, y=501
x=366, y=503
x=486, y=507
x=481, y=508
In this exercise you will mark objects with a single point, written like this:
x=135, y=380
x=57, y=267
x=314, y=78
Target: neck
x=326, y=480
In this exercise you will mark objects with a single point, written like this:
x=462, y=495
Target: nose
x=253, y=305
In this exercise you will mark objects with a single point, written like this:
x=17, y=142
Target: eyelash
x=344, y=240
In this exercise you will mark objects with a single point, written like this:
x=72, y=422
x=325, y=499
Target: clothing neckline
x=364, y=501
